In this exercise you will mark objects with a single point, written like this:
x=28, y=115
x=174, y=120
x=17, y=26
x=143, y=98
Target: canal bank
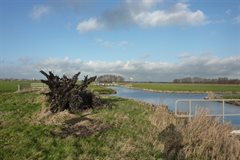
x=169, y=99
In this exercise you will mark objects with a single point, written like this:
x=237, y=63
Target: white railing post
x=189, y=115
x=19, y=88
x=195, y=111
x=176, y=107
x=190, y=110
x=223, y=110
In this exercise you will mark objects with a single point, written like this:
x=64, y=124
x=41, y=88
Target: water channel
x=169, y=99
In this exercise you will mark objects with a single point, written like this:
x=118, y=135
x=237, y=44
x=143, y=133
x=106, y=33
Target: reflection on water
x=169, y=99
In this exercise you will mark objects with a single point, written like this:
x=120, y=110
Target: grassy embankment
x=101, y=89
x=129, y=133
x=12, y=85
x=231, y=96
x=124, y=130
x=161, y=87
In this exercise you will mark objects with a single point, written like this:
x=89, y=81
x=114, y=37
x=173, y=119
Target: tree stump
x=65, y=94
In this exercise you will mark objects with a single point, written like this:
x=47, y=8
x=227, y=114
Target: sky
x=141, y=40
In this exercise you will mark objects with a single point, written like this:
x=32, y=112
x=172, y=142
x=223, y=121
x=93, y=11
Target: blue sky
x=147, y=40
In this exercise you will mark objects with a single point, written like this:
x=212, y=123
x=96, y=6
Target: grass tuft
x=206, y=138
x=202, y=138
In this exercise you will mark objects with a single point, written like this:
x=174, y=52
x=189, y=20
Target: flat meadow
x=190, y=87
x=12, y=85
x=120, y=130
x=123, y=129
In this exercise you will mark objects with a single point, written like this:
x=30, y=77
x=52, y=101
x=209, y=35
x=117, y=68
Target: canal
x=169, y=99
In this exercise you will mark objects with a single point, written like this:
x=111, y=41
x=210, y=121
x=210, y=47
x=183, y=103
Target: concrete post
x=19, y=88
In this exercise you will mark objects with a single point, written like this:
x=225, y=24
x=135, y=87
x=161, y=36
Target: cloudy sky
x=147, y=40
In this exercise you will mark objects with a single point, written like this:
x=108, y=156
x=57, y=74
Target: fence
x=190, y=101
x=38, y=86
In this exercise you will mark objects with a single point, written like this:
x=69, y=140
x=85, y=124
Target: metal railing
x=190, y=115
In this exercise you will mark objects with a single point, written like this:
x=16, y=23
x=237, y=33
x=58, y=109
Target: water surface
x=169, y=99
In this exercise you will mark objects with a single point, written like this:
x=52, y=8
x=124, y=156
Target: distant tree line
x=109, y=78
x=15, y=79
x=220, y=80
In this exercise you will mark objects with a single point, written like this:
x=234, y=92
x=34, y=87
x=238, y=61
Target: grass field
x=186, y=87
x=134, y=131
x=129, y=136
x=125, y=129
x=231, y=96
x=101, y=89
x=12, y=86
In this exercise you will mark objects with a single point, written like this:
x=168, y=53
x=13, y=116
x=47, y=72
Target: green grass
x=12, y=85
x=231, y=96
x=101, y=89
x=131, y=136
x=133, y=133
x=187, y=87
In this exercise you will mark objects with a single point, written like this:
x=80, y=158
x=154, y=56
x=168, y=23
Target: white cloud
x=220, y=21
x=25, y=60
x=105, y=43
x=123, y=43
x=149, y=3
x=179, y=15
x=142, y=4
x=89, y=25
x=236, y=20
x=144, y=13
x=201, y=66
x=141, y=70
x=228, y=12
x=112, y=44
x=40, y=11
